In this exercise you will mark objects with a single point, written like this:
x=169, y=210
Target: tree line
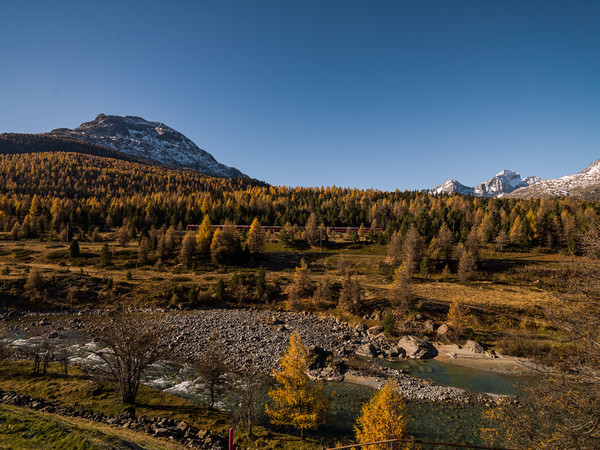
x=42, y=193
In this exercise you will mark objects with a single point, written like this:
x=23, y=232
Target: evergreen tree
x=105, y=255
x=74, y=251
x=220, y=290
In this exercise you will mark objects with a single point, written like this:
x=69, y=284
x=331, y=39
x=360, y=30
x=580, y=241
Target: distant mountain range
x=499, y=185
x=128, y=137
x=585, y=184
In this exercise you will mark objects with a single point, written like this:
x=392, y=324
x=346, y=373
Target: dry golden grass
x=487, y=295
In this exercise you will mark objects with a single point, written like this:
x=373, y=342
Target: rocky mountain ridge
x=584, y=184
x=151, y=141
x=499, y=185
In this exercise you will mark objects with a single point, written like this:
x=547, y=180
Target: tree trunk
x=302, y=433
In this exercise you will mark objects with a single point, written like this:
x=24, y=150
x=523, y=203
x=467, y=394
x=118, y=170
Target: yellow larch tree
x=204, y=236
x=383, y=418
x=297, y=401
x=256, y=237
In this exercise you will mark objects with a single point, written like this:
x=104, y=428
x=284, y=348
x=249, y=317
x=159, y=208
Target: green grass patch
x=76, y=390
x=24, y=429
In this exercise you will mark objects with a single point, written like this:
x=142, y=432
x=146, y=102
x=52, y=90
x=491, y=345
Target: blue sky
x=389, y=95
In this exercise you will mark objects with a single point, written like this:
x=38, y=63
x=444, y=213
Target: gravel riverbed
x=258, y=338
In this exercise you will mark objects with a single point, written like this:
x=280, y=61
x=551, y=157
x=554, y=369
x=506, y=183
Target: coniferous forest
x=43, y=192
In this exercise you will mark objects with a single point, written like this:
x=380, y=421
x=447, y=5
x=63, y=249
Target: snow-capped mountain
x=153, y=141
x=452, y=186
x=497, y=186
x=583, y=184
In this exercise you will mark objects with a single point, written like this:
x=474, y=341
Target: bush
x=389, y=324
x=525, y=347
x=74, y=250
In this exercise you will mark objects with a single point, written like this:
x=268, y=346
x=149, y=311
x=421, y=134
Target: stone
x=360, y=328
x=374, y=331
x=428, y=326
x=443, y=329
x=417, y=348
x=473, y=346
x=367, y=350
x=161, y=432
x=491, y=354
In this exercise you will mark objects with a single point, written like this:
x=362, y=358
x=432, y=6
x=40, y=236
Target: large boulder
x=475, y=347
x=417, y=348
x=368, y=350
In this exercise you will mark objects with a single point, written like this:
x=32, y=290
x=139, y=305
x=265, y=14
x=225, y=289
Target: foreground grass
x=22, y=428
x=25, y=429
x=76, y=390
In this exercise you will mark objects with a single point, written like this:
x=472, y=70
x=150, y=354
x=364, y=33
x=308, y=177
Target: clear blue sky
x=398, y=94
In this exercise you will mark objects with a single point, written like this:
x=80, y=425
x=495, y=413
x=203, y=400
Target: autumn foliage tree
x=256, y=237
x=204, y=236
x=188, y=248
x=383, y=418
x=297, y=401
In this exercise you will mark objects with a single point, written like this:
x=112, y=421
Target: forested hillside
x=14, y=143
x=44, y=191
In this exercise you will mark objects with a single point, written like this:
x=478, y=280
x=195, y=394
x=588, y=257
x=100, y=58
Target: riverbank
x=258, y=338
x=508, y=365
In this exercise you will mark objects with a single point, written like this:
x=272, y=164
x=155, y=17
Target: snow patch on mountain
x=153, y=141
x=570, y=185
x=452, y=186
x=499, y=185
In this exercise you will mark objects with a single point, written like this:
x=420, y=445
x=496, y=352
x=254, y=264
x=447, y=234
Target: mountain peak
x=585, y=184
x=508, y=173
x=499, y=185
x=153, y=141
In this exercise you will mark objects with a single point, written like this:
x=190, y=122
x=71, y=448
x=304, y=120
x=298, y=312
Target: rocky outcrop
x=417, y=348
